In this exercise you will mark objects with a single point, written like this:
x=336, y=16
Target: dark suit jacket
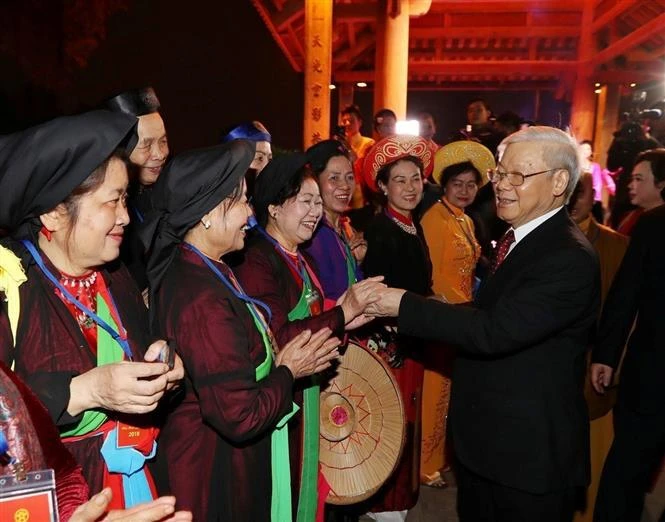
x=638, y=289
x=517, y=413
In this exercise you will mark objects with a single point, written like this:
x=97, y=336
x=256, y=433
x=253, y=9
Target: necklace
x=85, y=290
x=409, y=228
x=79, y=282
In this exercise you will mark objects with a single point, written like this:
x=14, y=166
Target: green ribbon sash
x=309, y=479
x=281, y=508
x=108, y=351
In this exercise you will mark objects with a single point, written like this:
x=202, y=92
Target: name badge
x=28, y=497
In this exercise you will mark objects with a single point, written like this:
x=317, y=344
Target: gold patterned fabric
x=454, y=252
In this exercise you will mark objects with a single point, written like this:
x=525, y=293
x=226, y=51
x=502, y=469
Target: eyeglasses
x=514, y=178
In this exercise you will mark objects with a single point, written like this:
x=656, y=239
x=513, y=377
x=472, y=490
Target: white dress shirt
x=524, y=230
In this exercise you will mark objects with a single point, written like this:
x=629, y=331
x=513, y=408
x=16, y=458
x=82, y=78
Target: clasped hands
x=385, y=303
x=368, y=299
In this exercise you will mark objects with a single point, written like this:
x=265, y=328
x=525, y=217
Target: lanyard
x=5, y=457
x=302, y=272
x=345, y=250
x=100, y=322
x=239, y=293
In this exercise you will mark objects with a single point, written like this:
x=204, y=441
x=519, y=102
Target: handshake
x=368, y=299
x=387, y=303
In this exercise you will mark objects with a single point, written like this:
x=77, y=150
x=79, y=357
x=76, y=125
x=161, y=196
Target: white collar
x=523, y=230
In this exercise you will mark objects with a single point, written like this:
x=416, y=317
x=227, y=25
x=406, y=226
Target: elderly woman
x=32, y=442
x=335, y=247
x=454, y=251
x=240, y=379
x=396, y=249
x=81, y=340
x=288, y=204
x=645, y=189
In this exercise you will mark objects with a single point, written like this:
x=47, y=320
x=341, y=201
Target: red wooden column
x=318, y=62
x=584, y=98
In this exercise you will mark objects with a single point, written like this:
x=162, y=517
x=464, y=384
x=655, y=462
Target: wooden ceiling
x=491, y=44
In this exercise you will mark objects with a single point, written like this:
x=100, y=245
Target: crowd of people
x=168, y=323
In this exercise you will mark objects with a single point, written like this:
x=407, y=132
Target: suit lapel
x=521, y=257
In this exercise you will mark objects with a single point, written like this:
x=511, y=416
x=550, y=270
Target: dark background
x=212, y=63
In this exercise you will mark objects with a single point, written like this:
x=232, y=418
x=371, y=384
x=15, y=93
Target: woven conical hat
x=362, y=427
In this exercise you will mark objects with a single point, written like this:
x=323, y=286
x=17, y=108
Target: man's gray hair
x=563, y=154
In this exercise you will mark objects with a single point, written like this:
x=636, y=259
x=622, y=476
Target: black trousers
x=637, y=450
x=480, y=500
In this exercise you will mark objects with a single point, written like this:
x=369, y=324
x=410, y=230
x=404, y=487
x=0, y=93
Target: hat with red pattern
x=392, y=149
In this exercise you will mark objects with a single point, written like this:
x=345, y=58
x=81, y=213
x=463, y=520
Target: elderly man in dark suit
x=637, y=296
x=518, y=418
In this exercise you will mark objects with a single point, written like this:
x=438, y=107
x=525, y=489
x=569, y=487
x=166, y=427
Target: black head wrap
x=137, y=102
x=42, y=165
x=192, y=184
x=274, y=178
x=318, y=155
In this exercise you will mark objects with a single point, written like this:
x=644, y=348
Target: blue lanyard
x=4, y=449
x=240, y=294
x=103, y=324
x=300, y=271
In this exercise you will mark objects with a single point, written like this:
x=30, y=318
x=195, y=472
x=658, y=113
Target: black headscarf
x=319, y=155
x=136, y=103
x=192, y=184
x=273, y=179
x=42, y=165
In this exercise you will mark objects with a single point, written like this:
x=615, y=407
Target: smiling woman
x=396, y=249
x=335, y=248
x=81, y=340
x=232, y=424
x=289, y=205
x=86, y=230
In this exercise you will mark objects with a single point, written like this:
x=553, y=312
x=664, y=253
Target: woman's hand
x=307, y=354
x=159, y=510
x=127, y=387
x=356, y=299
x=358, y=247
x=174, y=376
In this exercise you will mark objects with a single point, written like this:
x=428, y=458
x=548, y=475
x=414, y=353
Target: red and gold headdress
x=392, y=149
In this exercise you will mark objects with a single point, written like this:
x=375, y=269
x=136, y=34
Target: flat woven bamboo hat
x=362, y=427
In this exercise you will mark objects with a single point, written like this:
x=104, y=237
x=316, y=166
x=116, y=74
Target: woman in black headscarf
x=82, y=328
x=240, y=380
x=288, y=208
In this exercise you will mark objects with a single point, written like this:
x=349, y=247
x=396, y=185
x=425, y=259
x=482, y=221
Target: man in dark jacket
x=518, y=418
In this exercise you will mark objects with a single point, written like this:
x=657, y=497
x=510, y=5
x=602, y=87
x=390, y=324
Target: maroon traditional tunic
x=267, y=276
x=34, y=441
x=217, y=440
x=51, y=349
